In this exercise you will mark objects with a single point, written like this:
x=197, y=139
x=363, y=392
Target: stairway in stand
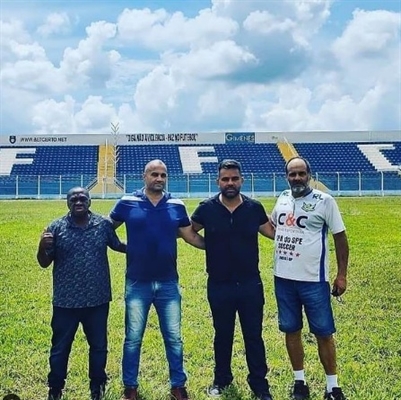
x=107, y=183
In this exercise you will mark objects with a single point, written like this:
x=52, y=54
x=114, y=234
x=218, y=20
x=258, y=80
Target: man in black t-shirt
x=231, y=223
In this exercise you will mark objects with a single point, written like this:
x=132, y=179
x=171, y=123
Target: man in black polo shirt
x=231, y=223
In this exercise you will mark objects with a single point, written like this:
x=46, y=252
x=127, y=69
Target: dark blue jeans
x=246, y=298
x=65, y=322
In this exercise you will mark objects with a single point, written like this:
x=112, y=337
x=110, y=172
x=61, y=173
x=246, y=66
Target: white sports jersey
x=301, y=241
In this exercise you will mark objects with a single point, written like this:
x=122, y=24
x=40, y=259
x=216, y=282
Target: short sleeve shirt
x=301, y=240
x=231, y=239
x=151, y=234
x=81, y=274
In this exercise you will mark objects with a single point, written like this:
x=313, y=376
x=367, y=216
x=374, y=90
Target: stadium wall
x=200, y=138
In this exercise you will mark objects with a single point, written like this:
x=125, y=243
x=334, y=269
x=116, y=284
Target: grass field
x=368, y=322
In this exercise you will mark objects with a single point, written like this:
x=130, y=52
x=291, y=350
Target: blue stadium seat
x=76, y=164
x=334, y=157
x=262, y=165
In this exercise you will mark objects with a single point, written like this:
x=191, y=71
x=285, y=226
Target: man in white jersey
x=302, y=217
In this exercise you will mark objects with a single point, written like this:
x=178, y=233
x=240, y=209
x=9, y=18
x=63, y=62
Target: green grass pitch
x=368, y=322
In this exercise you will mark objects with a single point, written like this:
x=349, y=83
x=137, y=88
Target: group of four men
x=77, y=245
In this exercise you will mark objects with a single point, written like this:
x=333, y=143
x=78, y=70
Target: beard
x=298, y=189
x=230, y=193
x=156, y=188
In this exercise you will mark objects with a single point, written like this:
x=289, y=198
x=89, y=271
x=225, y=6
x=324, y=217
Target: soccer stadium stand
x=256, y=158
x=51, y=160
x=335, y=157
x=47, y=166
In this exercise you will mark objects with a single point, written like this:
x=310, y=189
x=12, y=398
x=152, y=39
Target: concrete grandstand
x=343, y=163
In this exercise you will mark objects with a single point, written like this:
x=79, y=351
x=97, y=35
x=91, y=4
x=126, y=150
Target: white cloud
x=16, y=106
x=222, y=109
x=156, y=94
x=24, y=63
x=309, y=15
x=170, y=99
x=50, y=116
x=55, y=23
x=368, y=35
x=89, y=64
x=33, y=75
x=67, y=116
x=130, y=122
x=13, y=30
x=265, y=23
x=32, y=51
x=369, y=62
x=286, y=107
x=246, y=65
x=159, y=30
x=12, y=34
x=95, y=115
x=220, y=59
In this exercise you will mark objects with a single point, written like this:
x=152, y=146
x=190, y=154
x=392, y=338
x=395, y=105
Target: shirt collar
x=91, y=220
x=141, y=193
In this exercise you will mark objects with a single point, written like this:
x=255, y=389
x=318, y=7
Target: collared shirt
x=151, y=234
x=301, y=240
x=81, y=274
x=231, y=239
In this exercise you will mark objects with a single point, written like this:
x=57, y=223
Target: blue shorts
x=313, y=297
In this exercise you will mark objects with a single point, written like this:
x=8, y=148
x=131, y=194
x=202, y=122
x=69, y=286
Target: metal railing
x=199, y=185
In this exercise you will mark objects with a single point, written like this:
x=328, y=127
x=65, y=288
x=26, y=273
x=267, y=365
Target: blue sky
x=199, y=66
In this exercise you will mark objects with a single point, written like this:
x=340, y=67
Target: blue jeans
x=226, y=299
x=166, y=298
x=65, y=322
x=314, y=297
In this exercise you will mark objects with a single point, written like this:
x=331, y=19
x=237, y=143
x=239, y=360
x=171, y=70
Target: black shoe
x=97, y=392
x=54, y=394
x=335, y=394
x=300, y=391
x=265, y=395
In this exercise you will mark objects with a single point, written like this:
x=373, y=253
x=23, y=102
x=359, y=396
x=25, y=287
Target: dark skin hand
x=45, y=243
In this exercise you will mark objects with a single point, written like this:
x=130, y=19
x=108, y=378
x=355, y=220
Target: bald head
x=298, y=174
x=155, y=177
x=298, y=161
x=151, y=165
x=78, y=201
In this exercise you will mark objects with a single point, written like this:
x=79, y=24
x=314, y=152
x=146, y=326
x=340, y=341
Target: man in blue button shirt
x=231, y=222
x=77, y=244
x=153, y=219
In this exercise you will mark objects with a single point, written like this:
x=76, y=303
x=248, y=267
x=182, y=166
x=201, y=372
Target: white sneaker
x=215, y=390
